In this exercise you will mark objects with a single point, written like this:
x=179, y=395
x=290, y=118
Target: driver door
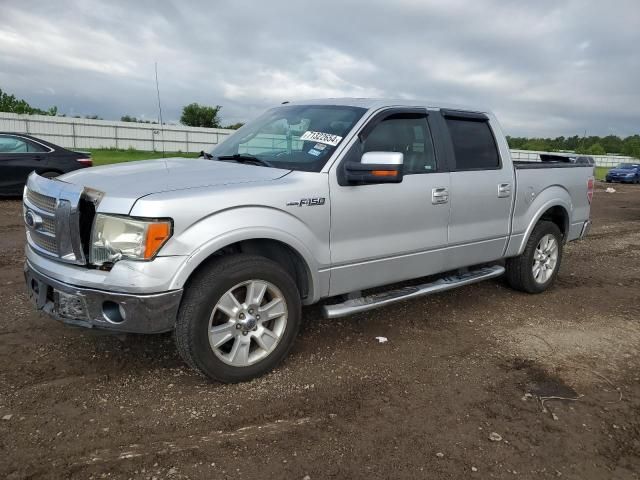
x=384, y=233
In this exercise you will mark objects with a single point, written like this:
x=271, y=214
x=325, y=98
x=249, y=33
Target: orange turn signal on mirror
x=384, y=173
x=157, y=234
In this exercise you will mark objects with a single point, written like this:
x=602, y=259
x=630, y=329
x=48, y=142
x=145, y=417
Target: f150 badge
x=307, y=202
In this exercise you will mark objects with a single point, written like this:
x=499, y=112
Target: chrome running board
x=376, y=300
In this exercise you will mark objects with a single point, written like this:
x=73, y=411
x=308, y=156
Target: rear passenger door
x=481, y=190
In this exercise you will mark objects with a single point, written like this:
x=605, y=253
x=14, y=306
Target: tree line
x=11, y=104
x=591, y=145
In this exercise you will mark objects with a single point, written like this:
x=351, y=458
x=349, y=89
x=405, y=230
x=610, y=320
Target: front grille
x=43, y=235
x=46, y=243
x=42, y=201
x=49, y=225
x=54, y=216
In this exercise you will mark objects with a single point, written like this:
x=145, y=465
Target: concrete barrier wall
x=82, y=133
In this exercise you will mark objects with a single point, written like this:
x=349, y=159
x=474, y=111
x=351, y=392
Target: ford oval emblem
x=32, y=220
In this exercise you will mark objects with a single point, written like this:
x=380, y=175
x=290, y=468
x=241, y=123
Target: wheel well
x=279, y=252
x=559, y=216
x=50, y=170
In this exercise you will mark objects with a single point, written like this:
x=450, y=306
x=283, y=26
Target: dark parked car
x=625, y=172
x=21, y=154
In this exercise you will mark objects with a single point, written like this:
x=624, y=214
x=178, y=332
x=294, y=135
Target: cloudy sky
x=546, y=67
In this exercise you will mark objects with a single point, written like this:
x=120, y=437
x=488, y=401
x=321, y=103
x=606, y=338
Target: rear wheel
x=536, y=269
x=238, y=319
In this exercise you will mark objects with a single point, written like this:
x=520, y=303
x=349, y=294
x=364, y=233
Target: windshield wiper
x=245, y=158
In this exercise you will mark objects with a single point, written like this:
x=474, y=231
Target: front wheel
x=238, y=319
x=536, y=269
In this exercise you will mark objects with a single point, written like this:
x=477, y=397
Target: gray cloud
x=546, y=67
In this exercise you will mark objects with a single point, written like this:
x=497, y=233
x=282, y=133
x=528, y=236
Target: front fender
x=528, y=212
x=205, y=237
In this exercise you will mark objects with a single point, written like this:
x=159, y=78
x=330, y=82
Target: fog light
x=113, y=312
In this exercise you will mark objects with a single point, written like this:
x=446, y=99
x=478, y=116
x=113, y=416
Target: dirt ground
x=457, y=368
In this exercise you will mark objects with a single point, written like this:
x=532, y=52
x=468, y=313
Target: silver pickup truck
x=312, y=200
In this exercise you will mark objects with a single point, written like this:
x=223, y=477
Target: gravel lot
x=458, y=368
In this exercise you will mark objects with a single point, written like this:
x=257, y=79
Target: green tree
x=537, y=144
x=631, y=146
x=129, y=118
x=235, y=126
x=596, y=149
x=195, y=115
x=572, y=143
x=611, y=143
x=11, y=104
x=593, y=149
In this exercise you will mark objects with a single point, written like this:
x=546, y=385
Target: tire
x=520, y=270
x=49, y=174
x=213, y=302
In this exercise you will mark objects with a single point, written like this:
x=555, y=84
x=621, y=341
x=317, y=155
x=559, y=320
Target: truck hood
x=124, y=183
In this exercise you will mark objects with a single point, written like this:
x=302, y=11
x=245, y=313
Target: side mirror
x=376, y=167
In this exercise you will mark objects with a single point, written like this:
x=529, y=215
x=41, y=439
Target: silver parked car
x=311, y=200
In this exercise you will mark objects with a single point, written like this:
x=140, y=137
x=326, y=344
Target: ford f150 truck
x=312, y=200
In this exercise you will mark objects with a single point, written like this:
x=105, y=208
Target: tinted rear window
x=473, y=145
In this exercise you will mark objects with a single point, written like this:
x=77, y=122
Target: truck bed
x=524, y=165
x=556, y=160
x=567, y=185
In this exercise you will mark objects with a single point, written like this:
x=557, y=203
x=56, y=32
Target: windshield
x=628, y=165
x=297, y=137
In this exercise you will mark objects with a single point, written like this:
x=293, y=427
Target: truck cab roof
x=375, y=103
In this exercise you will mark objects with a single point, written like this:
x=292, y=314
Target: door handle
x=439, y=195
x=504, y=190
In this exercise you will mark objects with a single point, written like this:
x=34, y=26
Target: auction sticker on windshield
x=321, y=137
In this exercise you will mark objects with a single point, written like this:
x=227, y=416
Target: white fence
x=84, y=133
x=601, y=160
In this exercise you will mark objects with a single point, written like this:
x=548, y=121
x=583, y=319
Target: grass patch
x=601, y=172
x=108, y=156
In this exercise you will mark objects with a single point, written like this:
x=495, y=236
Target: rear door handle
x=439, y=195
x=504, y=190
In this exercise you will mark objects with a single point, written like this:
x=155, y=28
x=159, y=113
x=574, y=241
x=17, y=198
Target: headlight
x=114, y=238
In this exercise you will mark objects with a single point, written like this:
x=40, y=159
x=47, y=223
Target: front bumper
x=93, y=308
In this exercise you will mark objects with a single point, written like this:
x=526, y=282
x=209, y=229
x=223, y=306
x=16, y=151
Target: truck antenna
x=160, y=109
